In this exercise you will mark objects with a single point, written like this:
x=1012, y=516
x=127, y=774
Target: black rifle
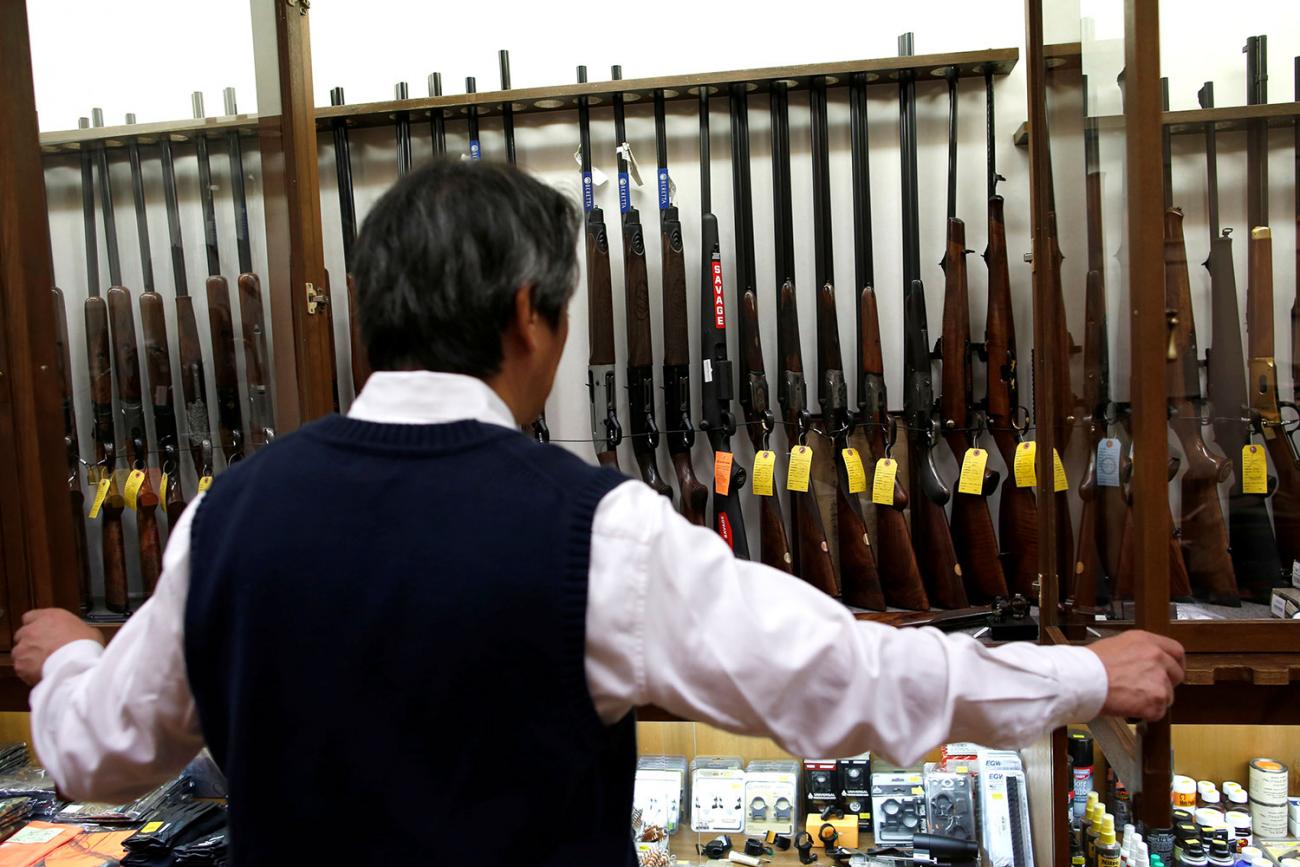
x=859, y=576
x=636, y=287
x=403, y=124
x=76, y=496
x=928, y=494
x=437, y=119
x=810, y=550
x=230, y=421
x=677, y=355
x=471, y=114
x=348, y=219
x=716, y=418
x=602, y=383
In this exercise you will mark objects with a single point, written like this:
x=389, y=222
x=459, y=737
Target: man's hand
x=44, y=631
x=1142, y=670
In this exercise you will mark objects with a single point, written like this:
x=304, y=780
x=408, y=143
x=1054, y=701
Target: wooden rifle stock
x=229, y=418
x=113, y=544
x=606, y=430
x=901, y=580
x=260, y=418
x=76, y=496
x=1204, y=532
x=193, y=385
x=1066, y=405
x=694, y=500
x=640, y=357
x=774, y=543
x=1180, y=588
x=158, y=365
x=1018, y=510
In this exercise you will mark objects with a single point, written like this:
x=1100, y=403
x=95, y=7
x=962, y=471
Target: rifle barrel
x=88, y=215
x=237, y=192
x=437, y=119
x=343, y=166
x=507, y=107
x=205, y=191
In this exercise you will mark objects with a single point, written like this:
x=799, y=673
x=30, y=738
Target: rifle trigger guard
x=1021, y=428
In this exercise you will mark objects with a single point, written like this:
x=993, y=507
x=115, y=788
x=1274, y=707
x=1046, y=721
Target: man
x=420, y=611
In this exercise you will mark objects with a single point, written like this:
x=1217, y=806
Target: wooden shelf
x=970, y=64
x=1233, y=118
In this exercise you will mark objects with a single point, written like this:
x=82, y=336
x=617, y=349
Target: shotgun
x=402, y=124
x=1205, y=535
x=677, y=354
x=538, y=428
x=900, y=576
x=1067, y=405
x=755, y=395
x=99, y=356
x=471, y=116
x=76, y=496
x=859, y=577
x=348, y=219
x=1018, y=511
x=1252, y=547
x=193, y=380
x=716, y=383
x=230, y=422
x=972, y=524
x=157, y=351
x=437, y=119
x=126, y=369
x=261, y=415
x=1180, y=587
x=636, y=287
x=808, y=545
x=602, y=385
x=936, y=553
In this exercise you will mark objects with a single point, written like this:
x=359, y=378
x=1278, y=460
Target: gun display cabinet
x=1165, y=348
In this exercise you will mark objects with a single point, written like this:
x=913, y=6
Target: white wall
x=164, y=51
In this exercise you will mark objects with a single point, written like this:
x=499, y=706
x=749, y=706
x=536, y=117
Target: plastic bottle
x=1184, y=794
x=1094, y=833
x=1193, y=855
x=1107, y=847
x=1219, y=855
x=1142, y=856
x=1248, y=856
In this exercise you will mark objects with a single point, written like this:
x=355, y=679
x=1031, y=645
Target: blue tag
x=624, y=193
x=475, y=152
x=1108, y=463
x=665, y=198
x=588, y=192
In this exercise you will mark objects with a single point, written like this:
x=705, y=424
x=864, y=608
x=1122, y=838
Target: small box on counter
x=898, y=806
x=855, y=788
x=821, y=783
x=1286, y=603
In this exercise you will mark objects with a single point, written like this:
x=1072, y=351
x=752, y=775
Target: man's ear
x=526, y=319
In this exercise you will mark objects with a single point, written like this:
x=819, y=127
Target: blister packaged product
x=821, y=784
x=855, y=788
x=660, y=790
x=898, y=805
x=771, y=797
x=717, y=794
x=950, y=804
x=1004, y=810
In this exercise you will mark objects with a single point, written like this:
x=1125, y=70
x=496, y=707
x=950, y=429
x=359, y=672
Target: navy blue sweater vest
x=385, y=632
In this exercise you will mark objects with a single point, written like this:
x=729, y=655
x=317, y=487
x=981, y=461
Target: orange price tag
x=722, y=472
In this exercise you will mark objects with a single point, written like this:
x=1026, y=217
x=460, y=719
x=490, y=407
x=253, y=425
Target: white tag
x=708, y=370
x=1295, y=573
x=1108, y=463
x=598, y=178
x=35, y=835
x=625, y=150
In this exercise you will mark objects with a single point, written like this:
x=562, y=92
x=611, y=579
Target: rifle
x=810, y=550
x=126, y=368
x=716, y=418
x=1018, y=512
x=230, y=422
x=261, y=415
x=636, y=287
x=901, y=577
x=403, y=125
x=100, y=367
x=755, y=396
x=1205, y=533
x=538, y=428
x=972, y=524
x=602, y=385
x=437, y=119
x=859, y=577
x=928, y=494
x=76, y=496
x=348, y=218
x=1252, y=547
x=677, y=353
x=157, y=351
x=1180, y=588
x=471, y=115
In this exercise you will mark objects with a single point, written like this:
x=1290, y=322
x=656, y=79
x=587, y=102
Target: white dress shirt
x=673, y=620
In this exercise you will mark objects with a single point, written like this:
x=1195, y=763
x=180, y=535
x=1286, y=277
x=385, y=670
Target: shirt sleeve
x=109, y=724
x=675, y=620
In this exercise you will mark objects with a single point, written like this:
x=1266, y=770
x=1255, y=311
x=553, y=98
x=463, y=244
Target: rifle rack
x=970, y=64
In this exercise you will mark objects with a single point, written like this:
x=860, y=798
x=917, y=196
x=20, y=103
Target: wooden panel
x=1241, y=636
x=1193, y=121
x=1045, y=788
x=1118, y=742
x=1237, y=703
x=73, y=140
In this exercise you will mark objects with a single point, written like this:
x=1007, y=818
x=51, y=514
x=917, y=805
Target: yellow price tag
x=162, y=489
x=151, y=828
x=857, y=475
x=1254, y=470
x=205, y=483
x=882, y=487
x=1026, y=467
x=972, y=472
x=764, y=471
x=722, y=472
x=131, y=492
x=1059, y=481
x=800, y=469
x=101, y=492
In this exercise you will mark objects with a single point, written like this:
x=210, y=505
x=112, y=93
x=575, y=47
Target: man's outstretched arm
x=112, y=723
x=674, y=620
